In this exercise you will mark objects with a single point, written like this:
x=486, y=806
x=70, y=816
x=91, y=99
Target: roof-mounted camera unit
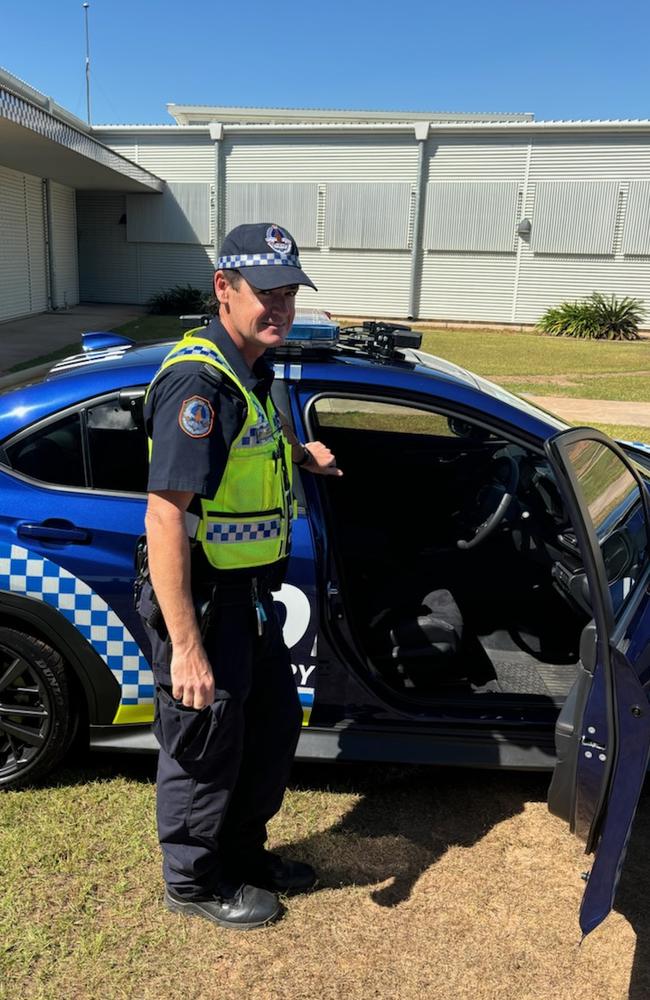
x=381, y=339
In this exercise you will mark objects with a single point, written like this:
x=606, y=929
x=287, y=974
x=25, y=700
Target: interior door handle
x=55, y=531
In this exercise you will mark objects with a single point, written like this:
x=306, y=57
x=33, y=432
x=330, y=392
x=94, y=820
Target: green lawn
x=497, y=352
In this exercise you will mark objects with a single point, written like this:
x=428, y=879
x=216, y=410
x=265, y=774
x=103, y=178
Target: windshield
x=490, y=388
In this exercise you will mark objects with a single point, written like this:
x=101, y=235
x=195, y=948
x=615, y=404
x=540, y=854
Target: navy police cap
x=265, y=253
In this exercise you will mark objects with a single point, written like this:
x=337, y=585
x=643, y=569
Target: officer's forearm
x=169, y=565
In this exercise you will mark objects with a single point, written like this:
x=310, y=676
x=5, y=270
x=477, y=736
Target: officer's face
x=254, y=318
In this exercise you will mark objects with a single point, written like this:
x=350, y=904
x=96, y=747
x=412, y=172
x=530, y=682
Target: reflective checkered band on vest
x=260, y=432
x=26, y=573
x=257, y=434
x=197, y=351
x=233, y=531
x=258, y=260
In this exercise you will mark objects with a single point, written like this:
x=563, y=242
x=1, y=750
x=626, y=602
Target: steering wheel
x=493, y=500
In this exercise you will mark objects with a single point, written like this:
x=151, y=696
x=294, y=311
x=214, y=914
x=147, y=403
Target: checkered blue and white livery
x=258, y=260
x=24, y=572
x=231, y=531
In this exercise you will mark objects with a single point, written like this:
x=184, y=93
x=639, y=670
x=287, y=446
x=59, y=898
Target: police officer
x=218, y=527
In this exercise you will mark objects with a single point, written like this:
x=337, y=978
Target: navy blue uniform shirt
x=191, y=456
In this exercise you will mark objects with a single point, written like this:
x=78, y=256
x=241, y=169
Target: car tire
x=37, y=714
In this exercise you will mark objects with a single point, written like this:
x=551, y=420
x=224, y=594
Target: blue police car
x=473, y=591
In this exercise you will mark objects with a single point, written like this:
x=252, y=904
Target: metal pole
x=85, y=7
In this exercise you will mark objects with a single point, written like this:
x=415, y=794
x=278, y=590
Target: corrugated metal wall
x=583, y=194
x=545, y=280
x=23, y=288
x=111, y=269
x=295, y=204
x=367, y=216
x=63, y=246
x=360, y=281
x=138, y=268
x=181, y=214
x=463, y=284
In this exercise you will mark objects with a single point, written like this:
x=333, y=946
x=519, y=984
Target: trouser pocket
x=190, y=736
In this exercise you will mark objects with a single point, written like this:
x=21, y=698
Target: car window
x=117, y=445
x=53, y=453
x=109, y=431
x=375, y=415
x=616, y=510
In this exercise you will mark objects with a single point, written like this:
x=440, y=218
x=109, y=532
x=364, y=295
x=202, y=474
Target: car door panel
x=603, y=732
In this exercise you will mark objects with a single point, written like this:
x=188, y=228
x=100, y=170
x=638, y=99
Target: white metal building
x=46, y=157
x=450, y=217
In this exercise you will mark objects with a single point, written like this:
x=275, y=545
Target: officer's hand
x=192, y=678
x=322, y=461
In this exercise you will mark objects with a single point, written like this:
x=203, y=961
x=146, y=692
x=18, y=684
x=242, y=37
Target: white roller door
x=63, y=246
x=22, y=245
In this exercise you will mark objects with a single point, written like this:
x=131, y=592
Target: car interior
x=457, y=566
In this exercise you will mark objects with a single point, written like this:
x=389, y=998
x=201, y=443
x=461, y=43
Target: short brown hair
x=232, y=276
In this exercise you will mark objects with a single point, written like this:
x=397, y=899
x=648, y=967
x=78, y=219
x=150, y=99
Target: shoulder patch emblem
x=196, y=417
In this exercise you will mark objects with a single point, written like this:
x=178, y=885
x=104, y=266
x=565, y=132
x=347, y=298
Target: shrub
x=177, y=300
x=618, y=319
x=599, y=317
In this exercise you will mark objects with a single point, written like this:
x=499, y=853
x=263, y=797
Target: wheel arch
x=98, y=686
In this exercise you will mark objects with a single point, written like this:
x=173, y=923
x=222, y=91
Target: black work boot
x=270, y=871
x=248, y=908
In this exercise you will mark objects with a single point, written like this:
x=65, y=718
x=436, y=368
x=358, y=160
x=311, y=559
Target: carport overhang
x=39, y=138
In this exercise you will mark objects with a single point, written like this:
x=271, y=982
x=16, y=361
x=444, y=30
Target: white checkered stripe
x=238, y=531
x=24, y=572
x=197, y=351
x=259, y=260
x=259, y=433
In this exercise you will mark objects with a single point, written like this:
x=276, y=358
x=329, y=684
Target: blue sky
x=557, y=59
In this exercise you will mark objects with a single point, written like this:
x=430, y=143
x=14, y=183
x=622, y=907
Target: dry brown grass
x=434, y=884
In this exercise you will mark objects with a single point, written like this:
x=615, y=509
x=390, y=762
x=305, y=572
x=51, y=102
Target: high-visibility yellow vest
x=248, y=521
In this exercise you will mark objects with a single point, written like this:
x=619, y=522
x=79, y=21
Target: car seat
x=416, y=641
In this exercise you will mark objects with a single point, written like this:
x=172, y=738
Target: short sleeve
x=192, y=422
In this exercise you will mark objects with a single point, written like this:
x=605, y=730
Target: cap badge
x=277, y=240
x=196, y=417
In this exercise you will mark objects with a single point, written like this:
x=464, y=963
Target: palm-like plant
x=598, y=317
x=618, y=319
x=569, y=319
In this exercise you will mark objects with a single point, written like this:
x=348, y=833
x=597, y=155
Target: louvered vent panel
x=575, y=217
x=368, y=216
x=471, y=217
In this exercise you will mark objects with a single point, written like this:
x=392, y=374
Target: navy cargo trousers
x=222, y=770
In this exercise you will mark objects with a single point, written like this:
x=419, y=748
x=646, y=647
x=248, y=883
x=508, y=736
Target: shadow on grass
x=431, y=810
x=406, y=819
x=633, y=895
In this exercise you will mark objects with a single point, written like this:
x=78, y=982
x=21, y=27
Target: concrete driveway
x=32, y=337
x=598, y=411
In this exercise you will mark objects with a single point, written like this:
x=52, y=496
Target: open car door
x=603, y=730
